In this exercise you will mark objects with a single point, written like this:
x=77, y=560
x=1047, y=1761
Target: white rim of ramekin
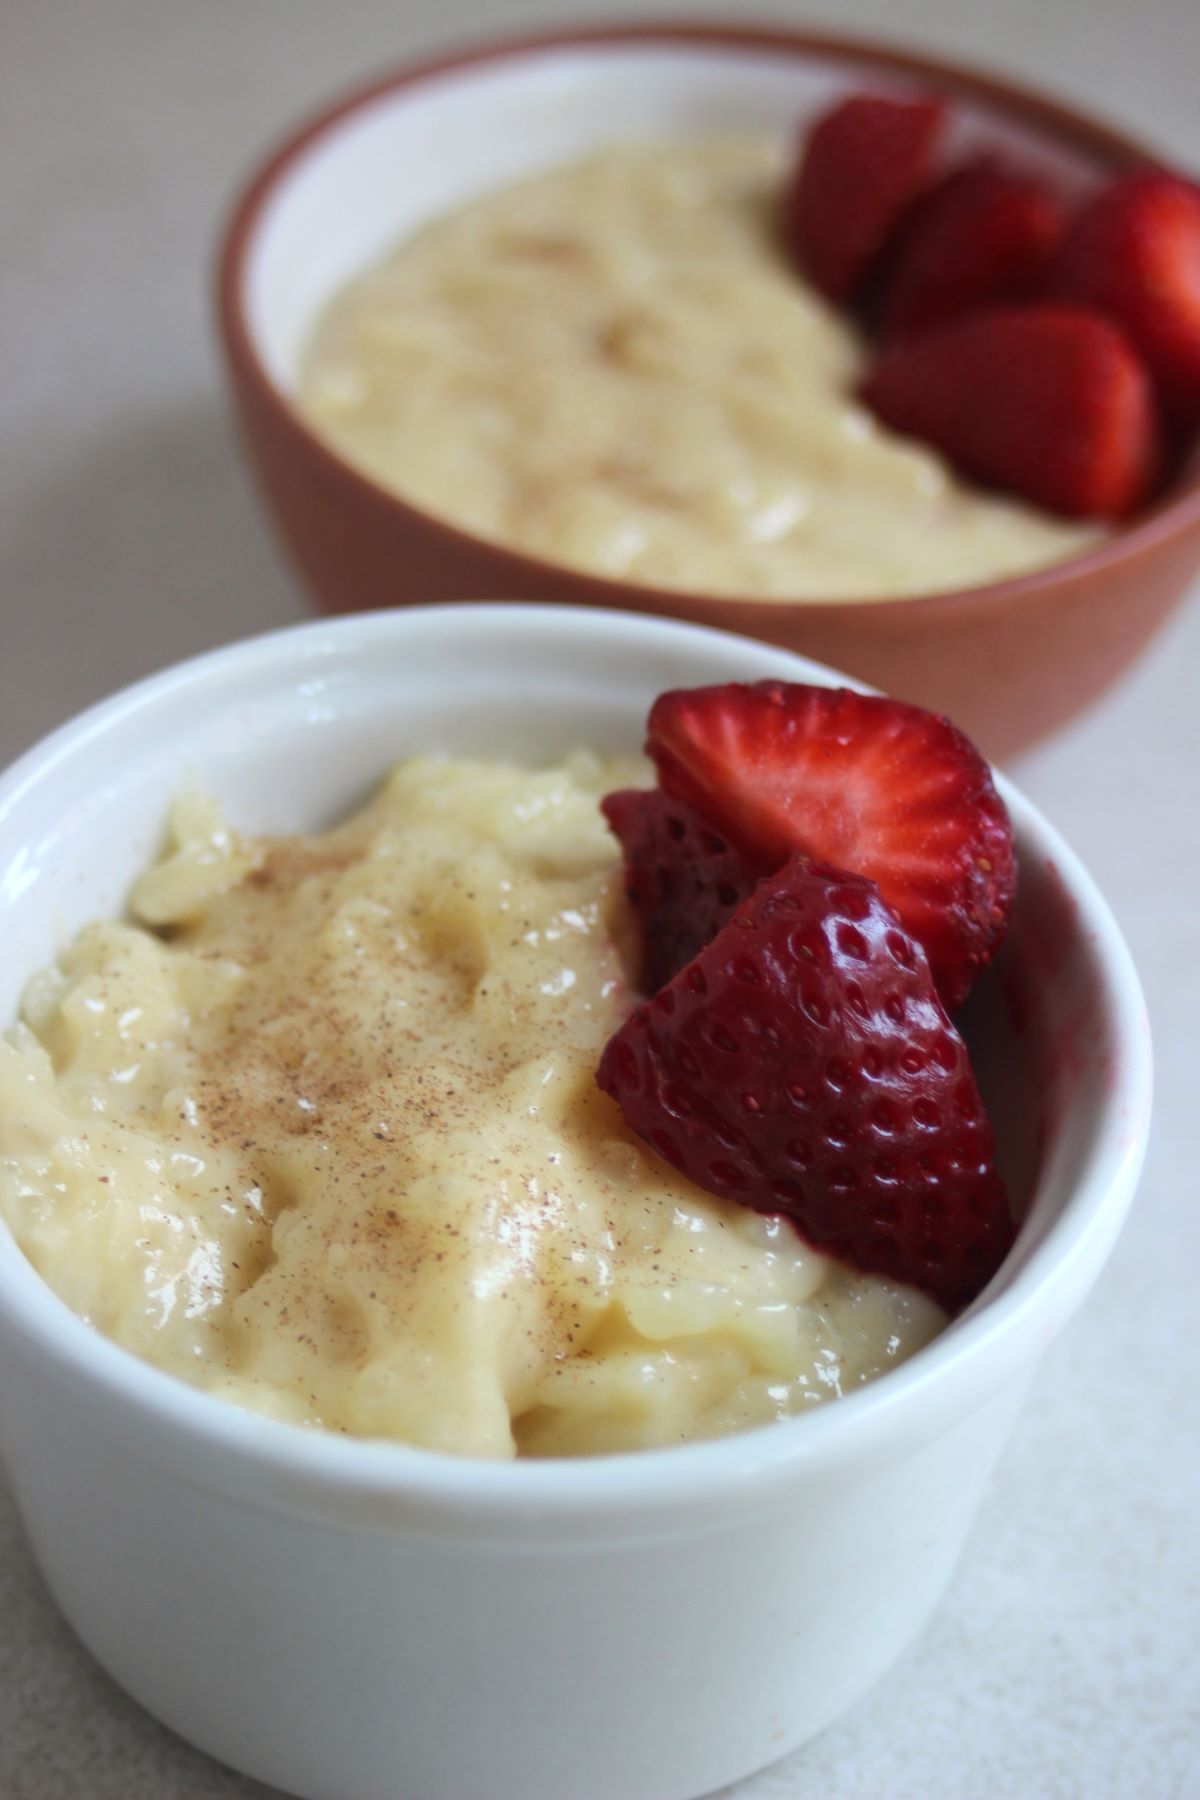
x=989, y=1345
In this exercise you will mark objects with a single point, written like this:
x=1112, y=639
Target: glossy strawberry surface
x=1050, y=402
x=803, y=1065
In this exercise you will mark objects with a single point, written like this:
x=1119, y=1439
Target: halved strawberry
x=1050, y=402
x=682, y=877
x=984, y=234
x=802, y=1065
x=862, y=166
x=867, y=784
x=1134, y=253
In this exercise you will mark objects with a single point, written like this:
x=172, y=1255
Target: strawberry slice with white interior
x=873, y=785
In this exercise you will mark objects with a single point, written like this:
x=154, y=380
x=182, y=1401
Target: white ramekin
x=360, y=1621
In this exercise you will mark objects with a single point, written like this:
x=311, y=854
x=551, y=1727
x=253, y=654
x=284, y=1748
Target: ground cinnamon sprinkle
x=357, y=1170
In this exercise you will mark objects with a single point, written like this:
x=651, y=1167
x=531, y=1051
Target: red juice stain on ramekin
x=1048, y=992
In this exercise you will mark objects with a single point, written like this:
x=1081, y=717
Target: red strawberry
x=863, y=165
x=802, y=1064
x=1048, y=401
x=1134, y=253
x=683, y=879
x=875, y=786
x=983, y=235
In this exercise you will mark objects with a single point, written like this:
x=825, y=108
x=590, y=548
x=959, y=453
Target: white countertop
x=1066, y=1658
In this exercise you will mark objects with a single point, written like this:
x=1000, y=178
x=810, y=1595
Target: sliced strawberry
x=861, y=168
x=682, y=877
x=802, y=1064
x=984, y=234
x=875, y=786
x=1050, y=402
x=1134, y=253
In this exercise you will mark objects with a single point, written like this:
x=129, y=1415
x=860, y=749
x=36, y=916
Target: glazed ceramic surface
x=360, y=1621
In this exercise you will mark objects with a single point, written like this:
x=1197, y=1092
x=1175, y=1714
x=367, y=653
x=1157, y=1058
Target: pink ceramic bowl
x=1009, y=661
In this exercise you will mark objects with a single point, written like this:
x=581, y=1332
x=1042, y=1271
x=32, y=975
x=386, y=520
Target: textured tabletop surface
x=1066, y=1658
